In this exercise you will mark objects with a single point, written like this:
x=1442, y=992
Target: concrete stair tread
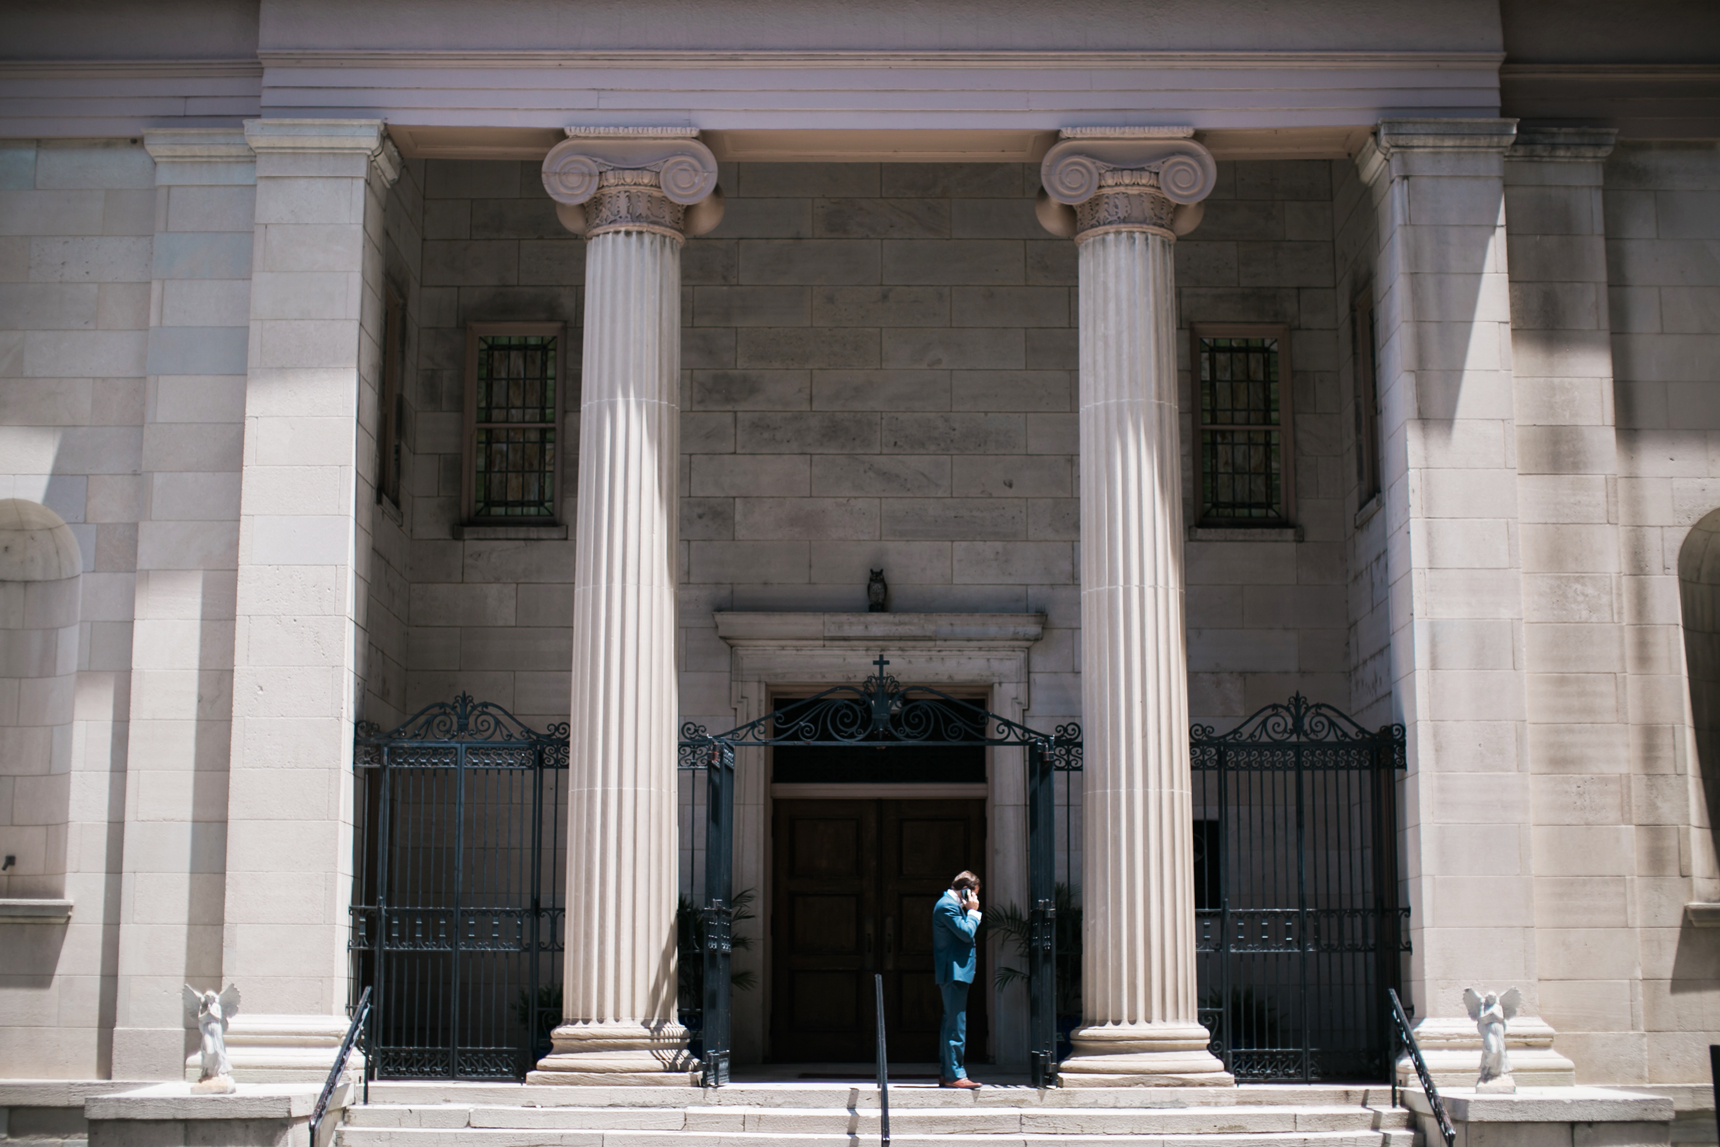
x=815, y=1114
x=1259, y=1119
x=858, y=1095
x=609, y=1137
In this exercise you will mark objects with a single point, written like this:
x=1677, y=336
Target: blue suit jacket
x=952, y=940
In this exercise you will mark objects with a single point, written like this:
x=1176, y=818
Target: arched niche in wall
x=40, y=565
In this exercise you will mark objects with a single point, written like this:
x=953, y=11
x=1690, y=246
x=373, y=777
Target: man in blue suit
x=955, y=919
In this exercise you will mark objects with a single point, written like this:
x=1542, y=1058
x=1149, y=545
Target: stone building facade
x=246, y=254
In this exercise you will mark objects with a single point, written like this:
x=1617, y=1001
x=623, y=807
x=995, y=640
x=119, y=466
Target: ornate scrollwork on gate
x=882, y=711
x=463, y=719
x=1299, y=720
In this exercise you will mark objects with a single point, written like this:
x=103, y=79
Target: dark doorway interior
x=855, y=881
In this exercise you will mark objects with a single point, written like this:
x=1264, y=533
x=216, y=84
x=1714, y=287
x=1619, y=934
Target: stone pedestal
x=170, y=1115
x=1546, y=1117
x=1124, y=196
x=630, y=193
x=281, y=1049
x=1452, y=1048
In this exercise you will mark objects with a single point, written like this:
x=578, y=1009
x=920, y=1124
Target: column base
x=1452, y=1048
x=618, y=1053
x=281, y=1049
x=1143, y=1055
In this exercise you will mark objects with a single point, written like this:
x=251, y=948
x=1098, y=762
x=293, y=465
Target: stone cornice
x=864, y=630
x=954, y=58
x=1439, y=136
x=1394, y=135
x=1642, y=72
x=305, y=135
x=365, y=137
x=199, y=145
x=130, y=69
x=1578, y=144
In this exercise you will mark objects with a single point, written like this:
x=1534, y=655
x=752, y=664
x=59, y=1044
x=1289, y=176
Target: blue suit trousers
x=952, y=1032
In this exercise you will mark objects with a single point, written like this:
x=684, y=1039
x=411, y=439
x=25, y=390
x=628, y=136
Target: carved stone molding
x=661, y=180
x=1098, y=180
x=1397, y=143
x=1569, y=143
x=337, y=137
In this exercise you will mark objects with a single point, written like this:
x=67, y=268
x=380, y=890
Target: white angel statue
x=212, y=1013
x=1490, y=1013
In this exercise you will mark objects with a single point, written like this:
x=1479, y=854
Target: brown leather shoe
x=964, y=1084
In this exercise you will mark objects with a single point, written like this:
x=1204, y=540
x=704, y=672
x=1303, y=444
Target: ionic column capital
x=1099, y=180
x=661, y=180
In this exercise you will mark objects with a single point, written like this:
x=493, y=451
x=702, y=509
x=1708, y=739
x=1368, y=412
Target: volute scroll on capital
x=1133, y=180
x=634, y=179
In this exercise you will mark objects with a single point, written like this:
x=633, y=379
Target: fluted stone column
x=631, y=193
x=1125, y=196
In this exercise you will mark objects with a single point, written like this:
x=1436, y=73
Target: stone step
x=862, y=1096
x=957, y=1118
x=854, y=1137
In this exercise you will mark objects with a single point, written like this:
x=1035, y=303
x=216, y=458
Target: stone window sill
x=511, y=532
x=1245, y=533
x=16, y=911
x=1368, y=510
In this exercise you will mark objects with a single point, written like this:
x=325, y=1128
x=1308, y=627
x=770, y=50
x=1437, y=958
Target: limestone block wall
x=171, y=900
x=880, y=370
x=878, y=373
x=38, y=680
x=1452, y=572
x=1662, y=229
x=385, y=685
x=1369, y=599
x=1581, y=842
x=490, y=616
x=1266, y=609
x=76, y=225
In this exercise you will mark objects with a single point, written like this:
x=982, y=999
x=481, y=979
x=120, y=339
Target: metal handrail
x=1408, y=1037
x=339, y=1068
x=883, y=1067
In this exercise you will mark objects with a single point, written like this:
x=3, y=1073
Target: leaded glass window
x=1243, y=429
x=512, y=404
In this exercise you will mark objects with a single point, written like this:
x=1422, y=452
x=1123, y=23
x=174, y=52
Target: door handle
x=871, y=962
x=889, y=943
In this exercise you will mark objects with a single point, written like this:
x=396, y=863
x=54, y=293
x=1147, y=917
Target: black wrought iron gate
x=457, y=906
x=461, y=855
x=1299, y=931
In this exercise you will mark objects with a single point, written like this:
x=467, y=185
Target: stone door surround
x=944, y=650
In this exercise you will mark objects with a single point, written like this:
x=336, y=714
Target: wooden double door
x=855, y=882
